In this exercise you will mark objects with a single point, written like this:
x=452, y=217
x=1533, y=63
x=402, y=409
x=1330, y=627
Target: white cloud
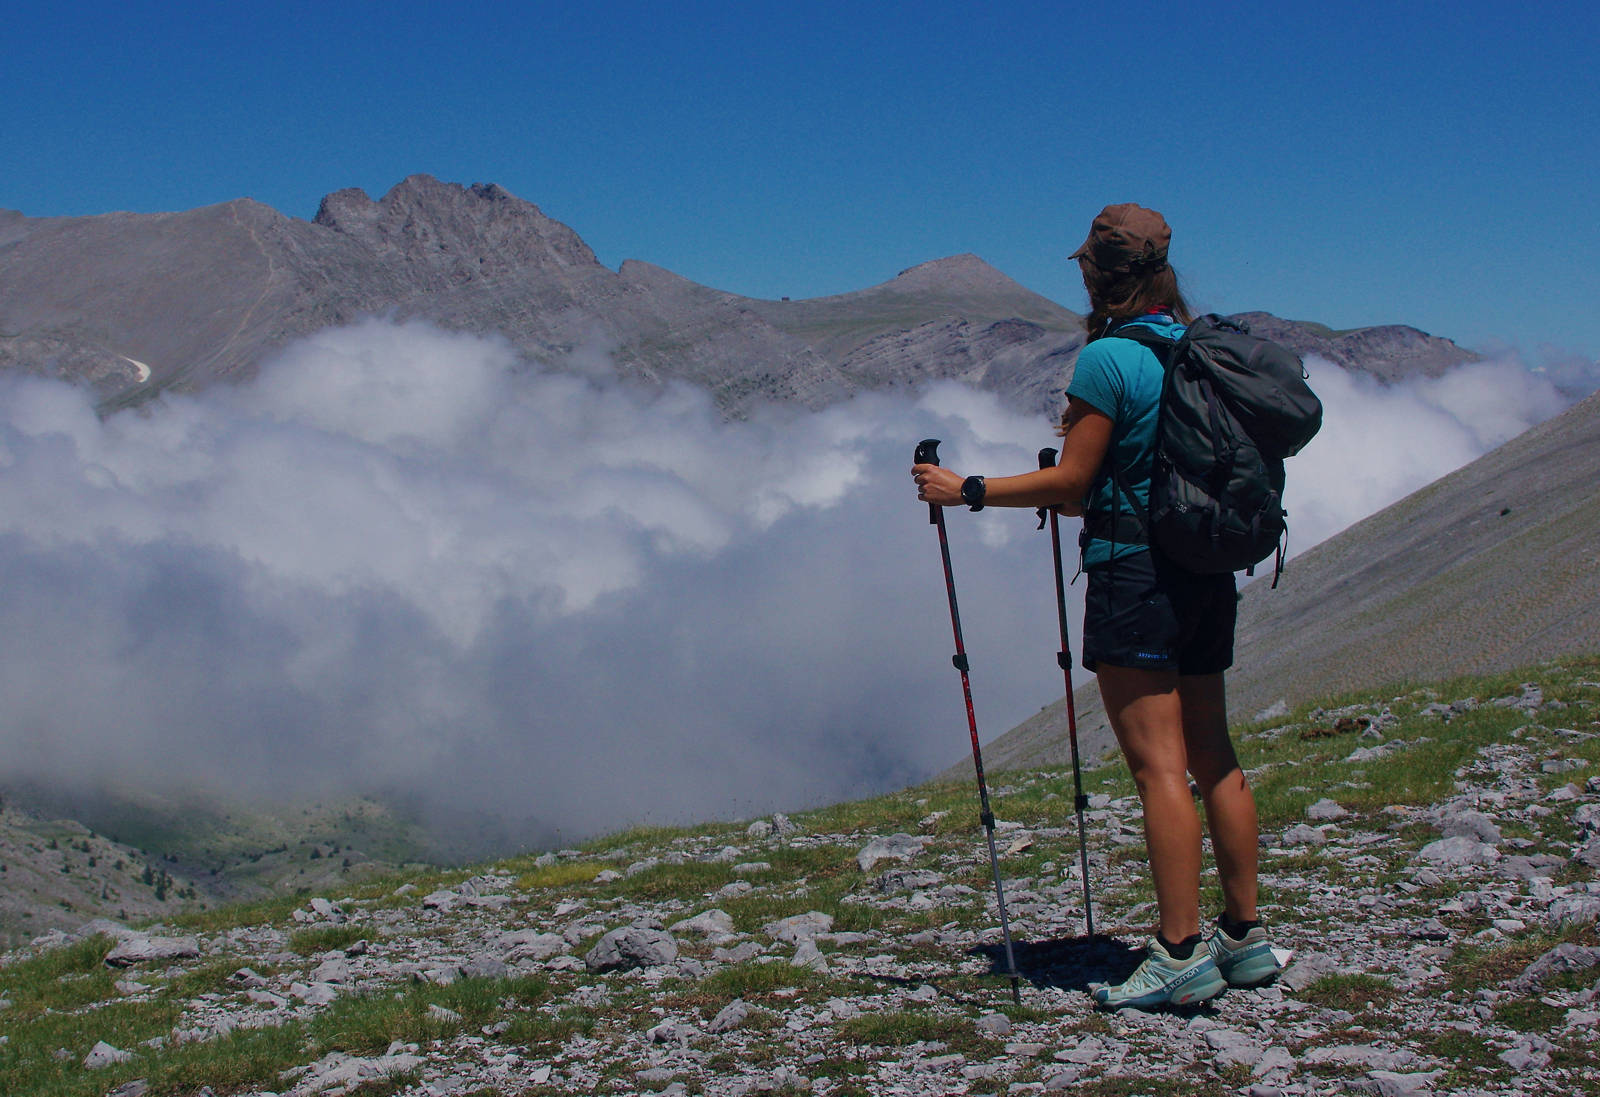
x=404, y=560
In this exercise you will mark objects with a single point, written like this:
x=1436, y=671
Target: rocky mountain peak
x=434, y=223
x=965, y=272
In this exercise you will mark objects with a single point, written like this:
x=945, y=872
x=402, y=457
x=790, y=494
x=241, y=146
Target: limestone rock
x=631, y=947
x=137, y=950
x=894, y=847
x=104, y=1055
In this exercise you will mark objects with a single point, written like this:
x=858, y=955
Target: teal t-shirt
x=1122, y=379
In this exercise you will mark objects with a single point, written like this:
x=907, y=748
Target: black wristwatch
x=972, y=492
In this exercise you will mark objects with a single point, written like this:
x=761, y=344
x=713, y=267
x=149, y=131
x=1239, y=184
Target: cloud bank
x=403, y=561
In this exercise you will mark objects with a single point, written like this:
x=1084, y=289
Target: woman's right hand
x=937, y=485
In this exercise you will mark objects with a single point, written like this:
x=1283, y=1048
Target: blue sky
x=1356, y=164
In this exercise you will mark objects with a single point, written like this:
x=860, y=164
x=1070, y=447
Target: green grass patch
x=549, y=1029
x=28, y=1062
x=58, y=979
x=901, y=1028
x=756, y=982
x=1483, y=967
x=688, y=881
x=563, y=874
x=367, y=1024
x=309, y=942
x=1351, y=992
x=1529, y=1015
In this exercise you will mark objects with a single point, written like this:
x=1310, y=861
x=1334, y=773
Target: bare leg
x=1146, y=713
x=1230, y=806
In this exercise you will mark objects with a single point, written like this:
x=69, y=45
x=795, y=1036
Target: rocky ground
x=1430, y=859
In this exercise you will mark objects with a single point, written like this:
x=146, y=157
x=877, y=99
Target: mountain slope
x=136, y=304
x=1439, y=909
x=1493, y=566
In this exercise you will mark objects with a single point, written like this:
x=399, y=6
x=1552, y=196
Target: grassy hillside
x=135, y=854
x=797, y=965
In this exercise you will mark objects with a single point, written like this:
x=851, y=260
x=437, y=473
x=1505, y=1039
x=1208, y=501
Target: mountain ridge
x=203, y=296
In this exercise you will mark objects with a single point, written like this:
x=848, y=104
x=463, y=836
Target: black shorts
x=1143, y=611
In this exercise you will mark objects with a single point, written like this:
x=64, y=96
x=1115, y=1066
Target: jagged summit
x=421, y=219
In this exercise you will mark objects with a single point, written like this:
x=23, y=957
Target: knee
x=1158, y=778
x=1222, y=776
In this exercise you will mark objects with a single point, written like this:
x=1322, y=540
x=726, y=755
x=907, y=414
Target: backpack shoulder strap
x=1161, y=346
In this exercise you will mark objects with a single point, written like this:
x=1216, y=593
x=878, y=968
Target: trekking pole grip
x=928, y=454
x=1047, y=460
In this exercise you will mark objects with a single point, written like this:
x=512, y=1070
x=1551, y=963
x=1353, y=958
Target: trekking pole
x=928, y=454
x=1047, y=459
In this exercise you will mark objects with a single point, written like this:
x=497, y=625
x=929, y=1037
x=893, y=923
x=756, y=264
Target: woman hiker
x=1157, y=637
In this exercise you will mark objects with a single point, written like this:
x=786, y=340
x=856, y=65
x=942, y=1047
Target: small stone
x=1458, y=851
x=1302, y=835
x=738, y=954
x=711, y=923
x=1472, y=824
x=1388, y=1083
x=1275, y=711
x=808, y=955
x=793, y=929
x=1233, y=1048
x=331, y=971
x=104, y=1055
x=1084, y=1052
x=1326, y=810
x=443, y=1015
x=1530, y=1053
x=893, y=847
x=1430, y=929
x=729, y=1017
x=247, y=979
x=995, y=1024
x=672, y=1032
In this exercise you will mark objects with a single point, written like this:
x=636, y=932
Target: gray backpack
x=1233, y=406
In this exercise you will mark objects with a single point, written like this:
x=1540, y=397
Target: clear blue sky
x=1430, y=164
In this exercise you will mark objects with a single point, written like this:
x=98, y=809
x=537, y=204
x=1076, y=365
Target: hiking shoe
x=1162, y=981
x=1244, y=963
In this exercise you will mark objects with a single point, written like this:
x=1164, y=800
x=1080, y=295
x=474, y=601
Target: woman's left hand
x=937, y=485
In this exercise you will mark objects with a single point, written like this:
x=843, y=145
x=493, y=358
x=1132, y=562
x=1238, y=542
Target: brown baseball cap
x=1124, y=236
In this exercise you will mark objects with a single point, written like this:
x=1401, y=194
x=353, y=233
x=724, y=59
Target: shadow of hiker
x=1071, y=963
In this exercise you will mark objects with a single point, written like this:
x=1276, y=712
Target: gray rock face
x=136, y=950
x=632, y=947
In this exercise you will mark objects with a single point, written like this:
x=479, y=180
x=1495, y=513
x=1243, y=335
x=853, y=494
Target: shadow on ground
x=1071, y=963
